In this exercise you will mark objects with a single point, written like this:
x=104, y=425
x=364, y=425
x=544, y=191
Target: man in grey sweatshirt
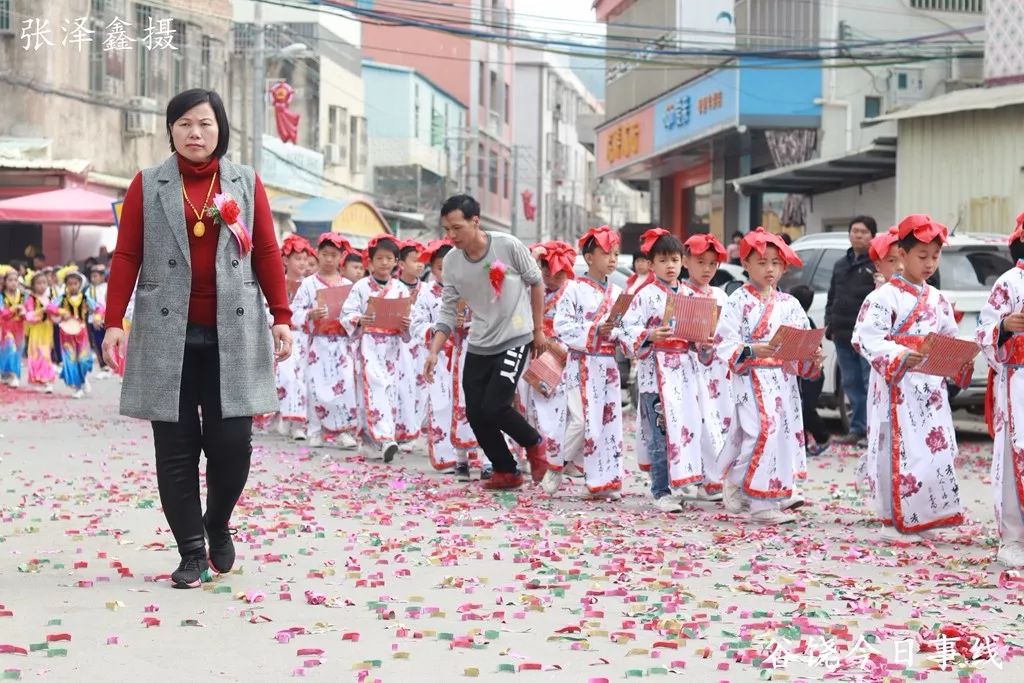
x=506, y=327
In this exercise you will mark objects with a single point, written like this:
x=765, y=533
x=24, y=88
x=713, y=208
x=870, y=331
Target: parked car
x=969, y=266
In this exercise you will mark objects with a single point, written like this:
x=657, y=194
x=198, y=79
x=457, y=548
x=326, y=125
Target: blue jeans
x=658, y=451
x=855, y=372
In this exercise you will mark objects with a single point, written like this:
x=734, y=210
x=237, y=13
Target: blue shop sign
x=696, y=109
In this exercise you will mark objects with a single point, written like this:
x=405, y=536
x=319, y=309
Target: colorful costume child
x=380, y=350
x=12, y=334
x=290, y=374
x=910, y=456
x=597, y=393
x=76, y=351
x=765, y=454
x=412, y=395
x=39, y=338
x=1005, y=353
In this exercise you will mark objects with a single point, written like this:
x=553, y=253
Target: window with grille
x=179, y=70
x=204, y=59
x=872, y=106
x=508, y=179
x=143, y=77
x=960, y=6
x=492, y=172
x=481, y=166
x=5, y=16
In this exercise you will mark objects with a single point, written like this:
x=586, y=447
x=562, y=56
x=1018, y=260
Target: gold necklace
x=199, y=229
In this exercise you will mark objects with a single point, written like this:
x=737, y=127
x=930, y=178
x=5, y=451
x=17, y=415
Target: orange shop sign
x=625, y=140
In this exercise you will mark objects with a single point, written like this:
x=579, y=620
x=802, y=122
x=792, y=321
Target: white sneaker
x=316, y=440
x=283, y=427
x=48, y=389
x=1011, y=555
x=735, y=502
x=346, y=442
x=388, y=451
x=708, y=496
x=771, y=517
x=795, y=500
x=87, y=388
x=14, y=383
x=299, y=434
x=668, y=504
x=78, y=394
x=551, y=481
x=406, y=447
x=603, y=495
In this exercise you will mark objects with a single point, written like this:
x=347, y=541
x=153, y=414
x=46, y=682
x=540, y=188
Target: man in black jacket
x=852, y=280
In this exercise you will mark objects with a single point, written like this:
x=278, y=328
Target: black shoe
x=189, y=573
x=851, y=439
x=222, y=548
x=486, y=472
x=462, y=472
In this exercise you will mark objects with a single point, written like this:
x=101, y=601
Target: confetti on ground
x=350, y=570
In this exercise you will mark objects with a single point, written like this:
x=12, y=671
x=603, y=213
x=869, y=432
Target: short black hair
x=386, y=245
x=666, y=244
x=327, y=243
x=803, y=294
x=187, y=99
x=638, y=256
x=405, y=251
x=868, y=222
x=465, y=203
x=909, y=242
x=1017, y=250
x=441, y=252
x=786, y=238
x=589, y=246
x=41, y=256
x=351, y=256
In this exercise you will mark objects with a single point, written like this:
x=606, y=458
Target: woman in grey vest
x=201, y=360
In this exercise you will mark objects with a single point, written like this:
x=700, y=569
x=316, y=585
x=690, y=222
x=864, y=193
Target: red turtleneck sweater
x=202, y=304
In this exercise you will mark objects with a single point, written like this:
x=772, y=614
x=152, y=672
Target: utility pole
x=259, y=96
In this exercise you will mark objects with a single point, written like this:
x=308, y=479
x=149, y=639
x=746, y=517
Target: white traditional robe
x=551, y=414
x=581, y=310
x=441, y=420
x=412, y=395
x=717, y=402
x=911, y=441
x=1007, y=381
x=290, y=374
x=673, y=370
x=380, y=351
x=765, y=452
x=328, y=365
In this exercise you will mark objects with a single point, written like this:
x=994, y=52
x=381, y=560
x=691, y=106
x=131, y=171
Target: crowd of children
x=729, y=418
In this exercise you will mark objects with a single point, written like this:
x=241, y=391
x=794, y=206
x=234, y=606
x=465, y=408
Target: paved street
x=356, y=571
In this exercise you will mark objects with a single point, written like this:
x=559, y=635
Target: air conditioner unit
x=967, y=71
x=140, y=118
x=332, y=154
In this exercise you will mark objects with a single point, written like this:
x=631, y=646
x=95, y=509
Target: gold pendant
x=199, y=229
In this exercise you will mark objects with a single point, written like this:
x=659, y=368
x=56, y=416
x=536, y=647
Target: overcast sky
x=543, y=15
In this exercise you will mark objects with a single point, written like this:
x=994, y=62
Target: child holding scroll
x=328, y=366
x=412, y=395
x=765, y=454
x=380, y=349
x=909, y=462
x=1001, y=335
x=669, y=419
x=595, y=399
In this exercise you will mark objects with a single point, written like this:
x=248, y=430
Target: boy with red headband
x=412, y=395
x=551, y=414
x=910, y=456
x=1001, y=335
x=765, y=452
x=448, y=432
x=594, y=399
x=702, y=256
x=885, y=254
x=329, y=366
x=380, y=350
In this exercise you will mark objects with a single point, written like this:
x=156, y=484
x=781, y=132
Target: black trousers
x=489, y=383
x=810, y=390
x=227, y=444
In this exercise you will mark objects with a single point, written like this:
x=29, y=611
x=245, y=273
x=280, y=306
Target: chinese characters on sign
x=710, y=102
x=825, y=653
x=623, y=141
x=677, y=114
x=158, y=35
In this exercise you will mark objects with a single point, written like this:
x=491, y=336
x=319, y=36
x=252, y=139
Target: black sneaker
x=222, y=548
x=189, y=573
x=485, y=473
x=462, y=472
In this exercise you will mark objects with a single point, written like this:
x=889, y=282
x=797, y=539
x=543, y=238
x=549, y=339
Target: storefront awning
x=73, y=206
x=357, y=218
x=817, y=176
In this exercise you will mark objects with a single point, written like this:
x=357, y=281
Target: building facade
x=414, y=133
x=480, y=76
x=84, y=85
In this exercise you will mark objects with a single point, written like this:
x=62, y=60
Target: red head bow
x=335, y=239
x=605, y=237
x=760, y=239
x=881, y=244
x=698, y=244
x=296, y=244
x=377, y=239
x=428, y=252
x=410, y=244
x=648, y=239
x=559, y=256
x=923, y=228
x=1019, y=232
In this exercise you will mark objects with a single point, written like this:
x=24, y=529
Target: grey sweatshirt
x=497, y=325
